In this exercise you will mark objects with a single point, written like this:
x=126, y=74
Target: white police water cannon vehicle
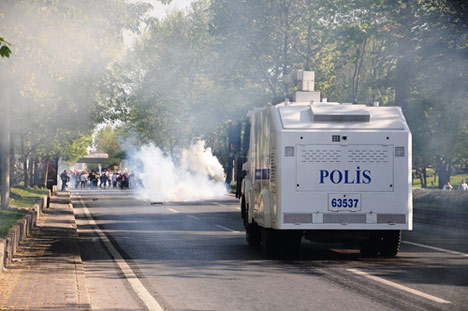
x=326, y=172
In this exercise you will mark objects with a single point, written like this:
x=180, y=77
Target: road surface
x=193, y=256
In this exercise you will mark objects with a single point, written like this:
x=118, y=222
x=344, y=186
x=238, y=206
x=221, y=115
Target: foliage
x=191, y=73
x=455, y=200
x=4, y=49
x=188, y=74
x=107, y=141
x=62, y=52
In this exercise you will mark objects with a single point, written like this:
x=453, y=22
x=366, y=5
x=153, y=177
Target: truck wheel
x=290, y=243
x=253, y=234
x=390, y=243
x=244, y=212
x=269, y=242
x=370, y=247
x=282, y=243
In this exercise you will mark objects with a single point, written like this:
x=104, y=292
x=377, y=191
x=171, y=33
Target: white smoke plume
x=198, y=175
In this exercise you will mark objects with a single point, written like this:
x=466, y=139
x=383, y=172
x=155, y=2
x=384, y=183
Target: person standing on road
x=65, y=178
x=114, y=180
x=83, y=179
x=103, y=179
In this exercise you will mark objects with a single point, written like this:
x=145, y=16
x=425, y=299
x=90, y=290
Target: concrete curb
x=20, y=231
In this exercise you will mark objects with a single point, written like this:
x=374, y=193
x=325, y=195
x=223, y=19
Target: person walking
x=83, y=179
x=103, y=179
x=65, y=178
x=114, y=180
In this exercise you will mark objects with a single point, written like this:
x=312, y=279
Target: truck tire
x=290, y=244
x=370, y=247
x=253, y=234
x=269, y=242
x=390, y=243
x=282, y=243
x=244, y=212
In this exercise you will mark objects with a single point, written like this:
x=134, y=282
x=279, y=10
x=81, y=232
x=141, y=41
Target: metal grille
x=321, y=156
x=391, y=218
x=294, y=218
x=344, y=218
x=367, y=156
x=273, y=167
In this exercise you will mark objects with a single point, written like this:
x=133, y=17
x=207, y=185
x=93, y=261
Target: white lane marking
x=197, y=218
x=227, y=229
x=436, y=248
x=398, y=286
x=149, y=301
x=193, y=217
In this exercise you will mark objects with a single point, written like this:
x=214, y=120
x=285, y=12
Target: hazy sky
x=159, y=10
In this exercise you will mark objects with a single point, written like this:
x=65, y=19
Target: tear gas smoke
x=197, y=175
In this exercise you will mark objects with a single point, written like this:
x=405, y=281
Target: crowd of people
x=104, y=179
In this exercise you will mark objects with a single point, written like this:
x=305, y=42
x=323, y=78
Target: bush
x=456, y=200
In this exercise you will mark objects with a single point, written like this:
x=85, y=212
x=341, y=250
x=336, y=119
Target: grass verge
x=21, y=198
x=25, y=197
x=8, y=218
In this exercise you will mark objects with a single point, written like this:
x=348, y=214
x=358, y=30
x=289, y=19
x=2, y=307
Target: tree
x=62, y=53
x=107, y=141
x=192, y=72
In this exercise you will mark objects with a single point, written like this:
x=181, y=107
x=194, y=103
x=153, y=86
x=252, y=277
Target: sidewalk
x=47, y=271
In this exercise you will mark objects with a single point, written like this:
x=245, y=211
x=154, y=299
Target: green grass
x=8, y=218
x=25, y=197
x=455, y=180
x=22, y=198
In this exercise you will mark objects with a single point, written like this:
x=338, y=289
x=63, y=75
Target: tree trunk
x=46, y=174
x=5, y=156
x=357, y=70
x=402, y=83
x=36, y=173
x=421, y=173
x=444, y=168
x=403, y=71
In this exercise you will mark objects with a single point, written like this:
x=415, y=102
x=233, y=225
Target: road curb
x=82, y=287
x=20, y=231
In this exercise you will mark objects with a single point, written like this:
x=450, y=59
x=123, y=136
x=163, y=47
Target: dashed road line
x=193, y=217
x=197, y=218
x=435, y=248
x=398, y=286
x=227, y=229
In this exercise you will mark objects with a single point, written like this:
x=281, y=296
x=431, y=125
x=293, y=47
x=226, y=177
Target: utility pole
x=5, y=140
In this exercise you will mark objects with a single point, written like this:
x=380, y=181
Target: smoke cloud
x=195, y=174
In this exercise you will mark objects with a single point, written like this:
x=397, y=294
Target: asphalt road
x=193, y=256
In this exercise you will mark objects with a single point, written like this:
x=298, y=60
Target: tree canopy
x=191, y=72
